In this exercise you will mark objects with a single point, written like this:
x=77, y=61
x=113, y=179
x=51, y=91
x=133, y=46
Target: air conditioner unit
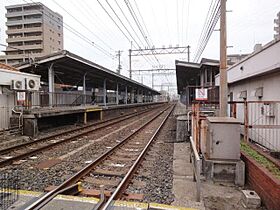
x=31, y=84
x=17, y=85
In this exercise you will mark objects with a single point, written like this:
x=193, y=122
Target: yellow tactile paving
x=129, y=204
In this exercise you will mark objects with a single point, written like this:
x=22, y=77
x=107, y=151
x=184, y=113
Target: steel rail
x=6, y=150
x=126, y=180
x=47, y=197
x=46, y=147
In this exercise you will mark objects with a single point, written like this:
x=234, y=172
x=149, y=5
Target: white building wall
x=259, y=70
x=259, y=113
x=257, y=63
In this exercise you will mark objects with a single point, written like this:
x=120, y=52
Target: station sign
x=201, y=94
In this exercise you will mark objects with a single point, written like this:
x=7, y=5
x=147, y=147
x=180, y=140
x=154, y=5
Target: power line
x=129, y=22
x=187, y=25
x=210, y=23
x=82, y=24
x=214, y=21
x=143, y=21
x=118, y=25
x=74, y=31
x=130, y=8
x=91, y=15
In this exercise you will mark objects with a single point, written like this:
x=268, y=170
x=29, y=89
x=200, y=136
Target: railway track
x=118, y=163
x=24, y=150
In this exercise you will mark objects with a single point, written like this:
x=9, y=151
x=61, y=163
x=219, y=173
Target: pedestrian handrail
x=196, y=162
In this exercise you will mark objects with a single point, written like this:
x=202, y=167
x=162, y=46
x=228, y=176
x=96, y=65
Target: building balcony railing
x=25, y=47
x=26, y=21
x=27, y=38
x=22, y=13
x=24, y=30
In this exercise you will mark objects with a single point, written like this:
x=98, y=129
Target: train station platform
x=38, y=119
x=86, y=203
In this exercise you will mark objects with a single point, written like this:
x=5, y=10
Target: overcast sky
x=168, y=22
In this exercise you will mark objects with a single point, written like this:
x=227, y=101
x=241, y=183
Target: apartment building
x=33, y=30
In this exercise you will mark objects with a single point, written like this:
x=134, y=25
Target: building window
x=59, y=42
x=58, y=34
x=58, y=26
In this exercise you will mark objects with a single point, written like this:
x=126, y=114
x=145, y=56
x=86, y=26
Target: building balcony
x=25, y=47
x=22, y=39
x=24, y=30
x=26, y=21
x=22, y=13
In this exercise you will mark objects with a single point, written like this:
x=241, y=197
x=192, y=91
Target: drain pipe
x=20, y=116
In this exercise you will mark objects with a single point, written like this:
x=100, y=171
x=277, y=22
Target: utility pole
x=119, y=58
x=153, y=80
x=277, y=27
x=129, y=55
x=188, y=53
x=130, y=71
x=223, y=61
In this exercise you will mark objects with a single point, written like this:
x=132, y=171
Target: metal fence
x=5, y=113
x=56, y=99
x=8, y=189
x=260, y=121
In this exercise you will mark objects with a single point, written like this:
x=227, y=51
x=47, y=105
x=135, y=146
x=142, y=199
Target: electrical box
x=222, y=138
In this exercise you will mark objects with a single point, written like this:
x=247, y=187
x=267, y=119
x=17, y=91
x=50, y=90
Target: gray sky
x=168, y=22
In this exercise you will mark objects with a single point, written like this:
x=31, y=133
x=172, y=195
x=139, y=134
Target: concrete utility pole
x=223, y=61
x=129, y=56
x=188, y=53
x=119, y=58
x=277, y=27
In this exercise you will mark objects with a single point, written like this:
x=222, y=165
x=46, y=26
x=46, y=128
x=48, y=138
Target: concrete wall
x=52, y=31
x=259, y=62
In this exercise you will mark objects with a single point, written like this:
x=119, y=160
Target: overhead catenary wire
x=131, y=26
x=134, y=16
x=206, y=22
x=82, y=24
x=207, y=37
x=209, y=26
x=93, y=19
x=188, y=20
x=212, y=12
x=147, y=31
x=214, y=19
x=119, y=26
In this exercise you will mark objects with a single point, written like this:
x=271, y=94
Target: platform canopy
x=70, y=69
x=188, y=73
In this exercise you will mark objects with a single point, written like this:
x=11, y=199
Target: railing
x=8, y=189
x=69, y=98
x=260, y=121
x=196, y=162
